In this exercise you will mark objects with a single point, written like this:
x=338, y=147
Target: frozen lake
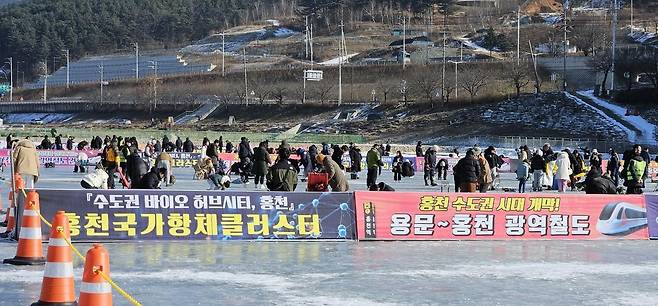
x=368, y=273
x=363, y=273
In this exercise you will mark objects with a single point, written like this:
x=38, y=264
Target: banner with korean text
x=455, y=216
x=652, y=215
x=97, y=215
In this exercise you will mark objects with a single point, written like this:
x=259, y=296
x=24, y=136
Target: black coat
x=188, y=146
x=136, y=169
x=468, y=170
x=150, y=181
x=537, y=163
x=244, y=150
x=430, y=159
x=355, y=157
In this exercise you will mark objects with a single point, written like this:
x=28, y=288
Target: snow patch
x=648, y=130
x=339, y=60
x=632, y=136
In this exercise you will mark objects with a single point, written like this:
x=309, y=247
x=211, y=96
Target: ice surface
x=368, y=273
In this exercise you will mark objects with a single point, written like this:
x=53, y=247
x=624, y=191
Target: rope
x=116, y=287
x=60, y=229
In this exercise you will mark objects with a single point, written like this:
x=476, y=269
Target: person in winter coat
x=613, y=166
x=523, y=174
x=188, y=146
x=491, y=155
x=261, y=162
x=442, y=169
x=305, y=162
x=96, y=179
x=635, y=173
x=419, y=149
x=430, y=165
x=373, y=160
x=355, y=161
x=46, y=144
x=537, y=167
x=244, y=149
x=337, y=155
x=179, y=144
x=485, y=179
x=26, y=162
x=595, y=158
x=153, y=179
x=165, y=161
x=312, y=155
x=467, y=172
x=69, y=143
x=564, y=171
x=136, y=169
x=282, y=175
x=337, y=179
x=397, y=166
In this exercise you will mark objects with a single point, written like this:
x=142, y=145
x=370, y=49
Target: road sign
x=4, y=88
x=313, y=75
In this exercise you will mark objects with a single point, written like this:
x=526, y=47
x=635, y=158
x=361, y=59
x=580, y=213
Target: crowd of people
x=280, y=169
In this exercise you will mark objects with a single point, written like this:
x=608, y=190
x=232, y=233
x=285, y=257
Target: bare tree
x=628, y=65
x=323, y=91
x=279, y=93
x=426, y=87
x=472, y=80
x=384, y=88
x=519, y=76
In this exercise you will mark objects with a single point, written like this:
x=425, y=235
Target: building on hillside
x=421, y=41
x=435, y=54
x=398, y=32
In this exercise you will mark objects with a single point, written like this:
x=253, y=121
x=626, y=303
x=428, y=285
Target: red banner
x=462, y=216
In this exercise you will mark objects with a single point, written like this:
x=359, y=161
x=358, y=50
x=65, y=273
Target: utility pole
x=443, y=68
x=45, y=81
x=136, y=60
x=11, y=79
x=68, y=61
x=311, y=43
x=564, y=55
x=223, y=53
x=246, y=88
x=614, y=44
x=154, y=66
x=101, y=70
x=518, y=36
x=341, y=49
x=306, y=40
x=404, y=41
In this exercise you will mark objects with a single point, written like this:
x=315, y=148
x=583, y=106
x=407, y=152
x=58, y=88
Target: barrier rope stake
x=77, y=253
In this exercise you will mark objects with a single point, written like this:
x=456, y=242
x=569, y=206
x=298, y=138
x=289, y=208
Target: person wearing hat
x=282, y=175
x=337, y=179
x=485, y=180
x=595, y=159
x=537, y=166
x=373, y=160
x=613, y=166
x=430, y=165
x=467, y=171
x=96, y=179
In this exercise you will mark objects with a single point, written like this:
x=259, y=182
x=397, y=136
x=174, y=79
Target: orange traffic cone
x=57, y=287
x=30, y=251
x=95, y=291
x=19, y=183
x=11, y=220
